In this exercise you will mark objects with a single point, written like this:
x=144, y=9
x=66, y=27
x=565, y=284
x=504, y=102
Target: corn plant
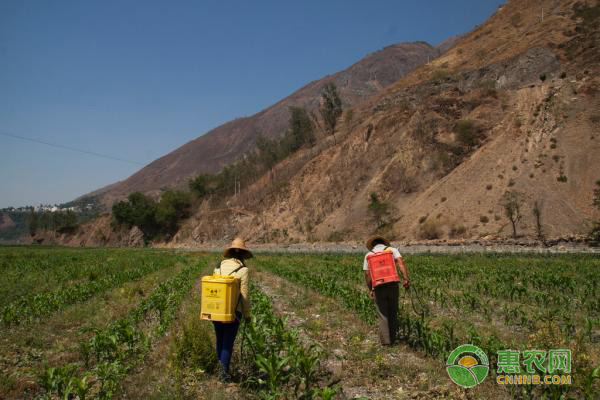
x=110, y=353
x=278, y=364
x=36, y=305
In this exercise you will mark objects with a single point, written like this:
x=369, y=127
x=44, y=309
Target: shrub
x=443, y=199
x=484, y=219
x=466, y=132
x=422, y=219
x=194, y=347
x=515, y=20
x=440, y=74
x=430, y=230
x=542, y=77
x=336, y=236
x=561, y=178
x=457, y=231
x=378, y=209
x=348, y=115
x=593, y=237
x=596, y=200
x=488, y=187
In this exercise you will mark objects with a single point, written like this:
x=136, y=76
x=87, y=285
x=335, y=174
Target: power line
x=60, y=146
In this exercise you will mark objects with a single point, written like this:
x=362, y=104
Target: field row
x=425, y=325
x=111, y=352
x=494, y=302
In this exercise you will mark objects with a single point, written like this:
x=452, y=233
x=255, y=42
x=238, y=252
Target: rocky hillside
x=224, y=144
x=513, y=107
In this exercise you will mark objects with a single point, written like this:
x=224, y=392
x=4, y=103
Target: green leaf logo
x=470, y=369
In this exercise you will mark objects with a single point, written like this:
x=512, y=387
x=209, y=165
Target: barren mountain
x=222, y=145
x=513, y=107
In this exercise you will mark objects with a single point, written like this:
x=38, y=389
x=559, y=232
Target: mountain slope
x=513, y=107
x=220, y=146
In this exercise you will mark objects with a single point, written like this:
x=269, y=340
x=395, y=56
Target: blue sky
x=137, y=79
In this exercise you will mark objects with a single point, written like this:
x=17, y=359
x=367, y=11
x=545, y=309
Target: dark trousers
x=386, y=299
x=226, y=333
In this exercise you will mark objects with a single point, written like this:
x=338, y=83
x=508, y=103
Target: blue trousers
x=225, y=333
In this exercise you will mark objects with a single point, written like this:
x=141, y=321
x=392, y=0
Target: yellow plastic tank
x=219, y=298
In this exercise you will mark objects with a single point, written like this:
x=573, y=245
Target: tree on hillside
x=537, y=215
x=378, y=209
x=301, y=129
x=331, y=107
x=511, y=201
x=65, y=221
x=32, y=222
x=138, y=210
x=174, y=205
x=200, y=185
x=594, y=235
x=596, y=201
x=267, y=152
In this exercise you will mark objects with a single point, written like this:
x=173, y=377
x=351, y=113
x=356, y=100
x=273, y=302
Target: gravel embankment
x=419, y=247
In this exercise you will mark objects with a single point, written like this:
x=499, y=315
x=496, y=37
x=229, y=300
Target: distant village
x=49, y=208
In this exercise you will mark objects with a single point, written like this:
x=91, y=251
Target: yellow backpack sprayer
x=220, y=297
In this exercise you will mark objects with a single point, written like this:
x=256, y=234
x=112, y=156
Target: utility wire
x=60, y=146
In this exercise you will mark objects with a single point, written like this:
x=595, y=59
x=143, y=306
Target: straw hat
x=238, y=244
x=373, y=239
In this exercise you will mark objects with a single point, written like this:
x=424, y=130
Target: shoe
x=224, y=377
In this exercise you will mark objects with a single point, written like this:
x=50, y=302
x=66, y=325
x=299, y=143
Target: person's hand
x=371, y=294
x=406, y=284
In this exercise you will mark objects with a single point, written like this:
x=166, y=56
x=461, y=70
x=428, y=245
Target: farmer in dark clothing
x=386, y=295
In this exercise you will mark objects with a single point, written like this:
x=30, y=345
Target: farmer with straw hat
x=233, y=264
x=386, y=295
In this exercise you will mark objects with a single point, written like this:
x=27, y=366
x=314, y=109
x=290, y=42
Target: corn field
x=95, y=323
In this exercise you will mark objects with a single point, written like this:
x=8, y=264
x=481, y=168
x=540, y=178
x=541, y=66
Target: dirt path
x=353, y=354
x=159, y=378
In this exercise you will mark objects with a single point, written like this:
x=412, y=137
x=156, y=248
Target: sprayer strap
x=386, y=247
x=234, y=271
